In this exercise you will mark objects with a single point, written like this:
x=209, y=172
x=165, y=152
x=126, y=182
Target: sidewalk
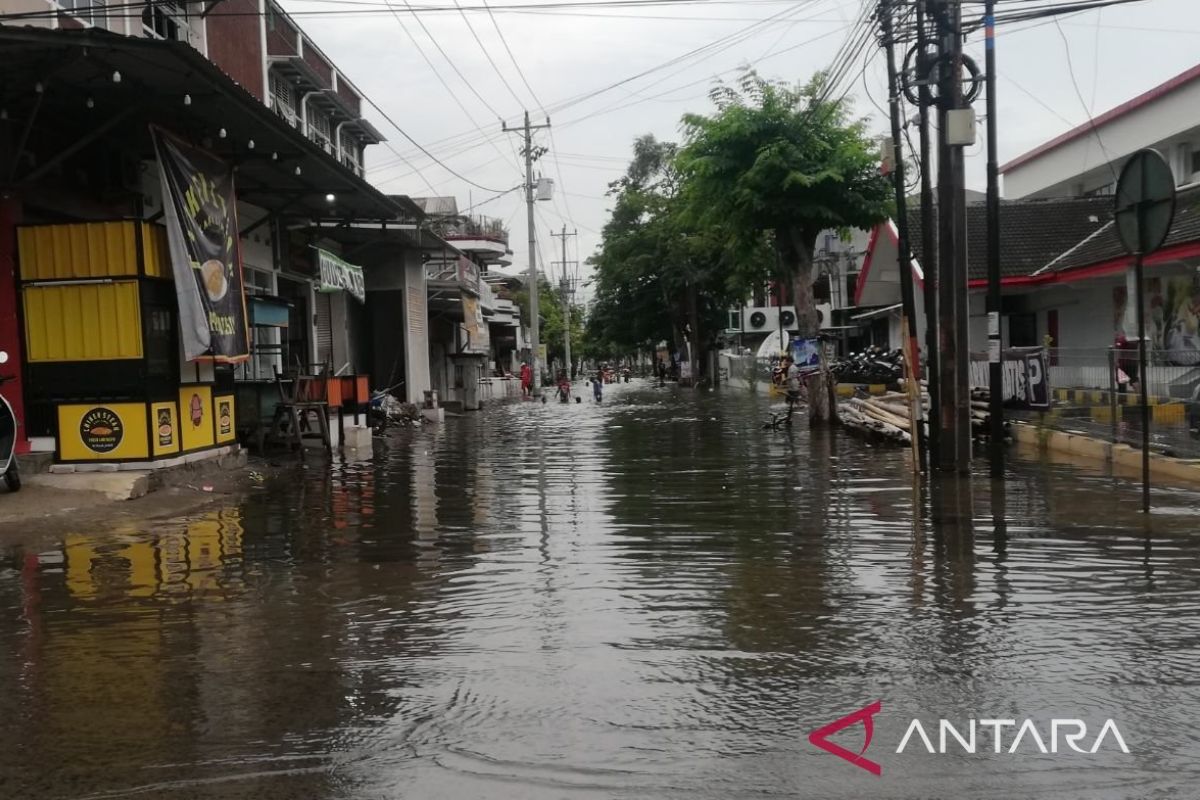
x=48, y=504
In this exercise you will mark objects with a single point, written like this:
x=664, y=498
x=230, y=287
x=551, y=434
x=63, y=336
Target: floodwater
x=652, y=598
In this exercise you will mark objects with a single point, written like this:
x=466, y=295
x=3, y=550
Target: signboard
x=165, y=437
x=340, y=276
x=1026, y=378
x=102, y=432
x=806, y=354
x=478, y=339
x=196, y=417
x=202, y=232
x=225, y=418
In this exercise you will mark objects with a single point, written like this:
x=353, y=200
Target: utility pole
x=995, y=365
x=929, y=252
x=903, y=250
x=955, y=416
x=534, y=286
x=568, y=289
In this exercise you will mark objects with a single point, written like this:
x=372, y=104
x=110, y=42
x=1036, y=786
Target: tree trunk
x=794, y=247
x=694, y=325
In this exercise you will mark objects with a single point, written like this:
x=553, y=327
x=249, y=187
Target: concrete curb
x=1120, y=458
x=130, y=484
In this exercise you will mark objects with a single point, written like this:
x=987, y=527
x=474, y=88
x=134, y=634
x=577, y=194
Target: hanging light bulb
x=116, y=76
x=250, y=144
x=187, y=99
x=274, y=156
x=297, y=170
x=37, y=87
x=221, y=133
x=91, y=103
x=329, y=198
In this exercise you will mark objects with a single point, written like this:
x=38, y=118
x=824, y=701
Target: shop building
x=88, y=296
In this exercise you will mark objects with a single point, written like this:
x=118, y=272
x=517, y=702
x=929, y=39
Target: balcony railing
x=473, y=227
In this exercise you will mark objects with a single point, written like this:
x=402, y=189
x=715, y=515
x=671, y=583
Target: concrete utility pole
x=527, y=130
x=566, y=286
x=995, y=367
x=955, y=416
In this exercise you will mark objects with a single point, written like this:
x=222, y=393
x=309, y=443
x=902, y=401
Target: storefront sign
x=201, y=215
x=166, y=428
x=1026, y=378
x=164, y=435
x=339, y=276
x=196, y=427
x=101, y=430
x=111, y=432
x=478, y=339
x=224, y=417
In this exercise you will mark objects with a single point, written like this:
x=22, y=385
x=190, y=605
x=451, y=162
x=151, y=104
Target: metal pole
x=928, y=240
x=1143, y=388
x=995, y=367
x=1112, y=391
x=903, y=252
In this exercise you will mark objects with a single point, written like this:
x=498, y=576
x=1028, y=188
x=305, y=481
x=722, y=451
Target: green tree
x=660, y=276
x=553, y=321
x=787, y=163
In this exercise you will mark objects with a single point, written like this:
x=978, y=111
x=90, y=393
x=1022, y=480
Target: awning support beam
x=81, y=143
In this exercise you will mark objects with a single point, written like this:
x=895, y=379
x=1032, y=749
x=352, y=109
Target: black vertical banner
x=201, y=214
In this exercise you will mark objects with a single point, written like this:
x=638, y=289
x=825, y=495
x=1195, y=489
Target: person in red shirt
x=526, y=379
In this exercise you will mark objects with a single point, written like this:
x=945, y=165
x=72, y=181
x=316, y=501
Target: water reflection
x=652, y=598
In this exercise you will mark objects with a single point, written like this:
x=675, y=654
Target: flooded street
x=652, y=598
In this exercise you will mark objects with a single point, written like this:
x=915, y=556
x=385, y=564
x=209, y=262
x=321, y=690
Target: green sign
x=340, y=276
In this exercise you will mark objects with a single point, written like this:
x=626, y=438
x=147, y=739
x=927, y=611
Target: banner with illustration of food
x=201, y=215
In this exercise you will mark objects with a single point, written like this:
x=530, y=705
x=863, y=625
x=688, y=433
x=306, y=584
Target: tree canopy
x=785, y=162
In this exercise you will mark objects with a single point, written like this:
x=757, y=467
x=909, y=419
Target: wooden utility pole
x=903, y=249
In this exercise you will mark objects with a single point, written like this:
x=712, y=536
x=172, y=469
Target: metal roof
x=278, y=168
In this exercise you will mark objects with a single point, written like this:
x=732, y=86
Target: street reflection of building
x=201, y=558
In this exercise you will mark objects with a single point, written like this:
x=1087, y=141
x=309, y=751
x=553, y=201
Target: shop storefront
x=105, y=382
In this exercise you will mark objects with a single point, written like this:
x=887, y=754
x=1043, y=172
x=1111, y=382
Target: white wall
x=417, y=377
x=1173, y=118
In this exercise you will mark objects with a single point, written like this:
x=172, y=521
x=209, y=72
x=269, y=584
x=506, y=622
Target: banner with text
x=338, y=276
x=201, y=215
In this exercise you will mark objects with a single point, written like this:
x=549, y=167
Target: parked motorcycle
x=8, y=436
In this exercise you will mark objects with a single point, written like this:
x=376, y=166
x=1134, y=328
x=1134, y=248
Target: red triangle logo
x=820, y=737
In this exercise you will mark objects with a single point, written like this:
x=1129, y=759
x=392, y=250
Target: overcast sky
x=567, y=54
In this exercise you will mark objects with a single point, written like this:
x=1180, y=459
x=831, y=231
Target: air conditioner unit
x=757, y=319
x=824, y=315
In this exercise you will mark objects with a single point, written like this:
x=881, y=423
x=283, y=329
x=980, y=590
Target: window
x=318, y=127
x=89, y=11
x=1106, y=190
x=1195, y=162
x=282, y=98
x=164, y=20
x=351, y=152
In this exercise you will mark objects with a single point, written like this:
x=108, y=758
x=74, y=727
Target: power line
x=487, y=53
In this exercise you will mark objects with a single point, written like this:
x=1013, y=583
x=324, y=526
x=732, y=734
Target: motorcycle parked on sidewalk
x=8, y=436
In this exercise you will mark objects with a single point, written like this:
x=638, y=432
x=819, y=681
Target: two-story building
x=332, y=270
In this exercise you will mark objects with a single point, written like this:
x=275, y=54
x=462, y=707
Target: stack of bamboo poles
x=887, y=418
